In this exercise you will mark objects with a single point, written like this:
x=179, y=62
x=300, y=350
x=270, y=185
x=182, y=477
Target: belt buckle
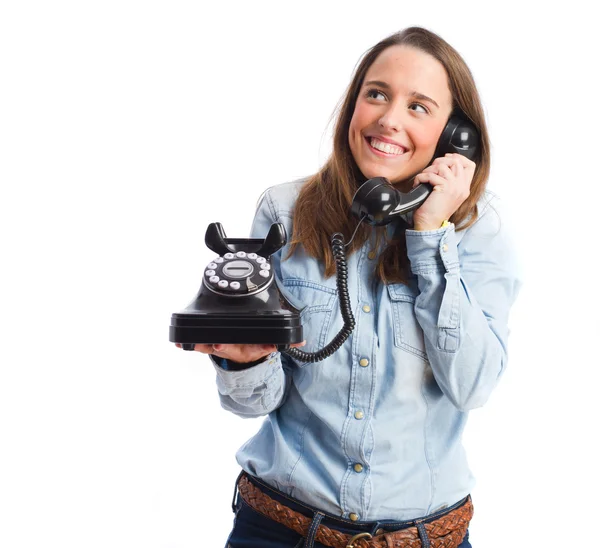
x=356, y=537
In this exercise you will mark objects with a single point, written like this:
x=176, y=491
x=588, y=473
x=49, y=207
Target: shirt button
x=371, y=255
x=364, y=362
x=358, y=468
x=359, y=415
x=366, y=308
x=445, y=247
x=353, y=516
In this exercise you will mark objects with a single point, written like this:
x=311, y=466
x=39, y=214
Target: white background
x=127, y=126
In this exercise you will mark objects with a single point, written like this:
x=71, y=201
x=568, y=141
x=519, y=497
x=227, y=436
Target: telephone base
x=281, y=329
x=239, y=300
x=192, y=346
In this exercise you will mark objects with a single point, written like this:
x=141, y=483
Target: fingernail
x=218, y=347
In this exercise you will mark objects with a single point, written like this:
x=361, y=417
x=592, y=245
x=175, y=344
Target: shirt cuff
x=432, y=250
x=255, y=374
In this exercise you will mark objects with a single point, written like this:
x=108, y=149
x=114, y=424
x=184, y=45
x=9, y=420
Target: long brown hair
x=323, y=205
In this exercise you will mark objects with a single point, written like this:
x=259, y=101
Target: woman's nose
x=392, y=118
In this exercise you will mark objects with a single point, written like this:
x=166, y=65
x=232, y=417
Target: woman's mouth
x=381, y=148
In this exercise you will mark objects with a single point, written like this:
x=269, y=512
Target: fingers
x=446, y=171
x=451, y=168
x=240, y=353
x=456, y=175
x=204, y=348
x=460, y=171
x=455, y=159
x=441, y=166
x=432, y=178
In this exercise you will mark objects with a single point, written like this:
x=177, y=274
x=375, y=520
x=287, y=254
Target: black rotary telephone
x=240, y=302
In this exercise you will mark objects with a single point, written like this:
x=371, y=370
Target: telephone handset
x=380, y=203
x=240, y=302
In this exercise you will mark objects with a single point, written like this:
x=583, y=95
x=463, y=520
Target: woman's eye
x=375, y=94
x=417, y=107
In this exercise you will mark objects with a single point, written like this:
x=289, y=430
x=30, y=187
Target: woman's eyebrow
x=422, y=97
x=414, y=94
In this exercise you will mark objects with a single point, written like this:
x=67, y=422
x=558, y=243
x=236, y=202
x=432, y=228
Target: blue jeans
x=253, y=530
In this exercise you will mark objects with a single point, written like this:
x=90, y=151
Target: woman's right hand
x=239, y=353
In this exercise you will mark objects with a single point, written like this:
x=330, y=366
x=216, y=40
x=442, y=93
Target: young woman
x=364, y=448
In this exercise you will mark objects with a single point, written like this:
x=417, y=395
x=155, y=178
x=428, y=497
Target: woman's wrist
x=421, y=226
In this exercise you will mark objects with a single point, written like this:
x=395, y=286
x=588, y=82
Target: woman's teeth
x=386, y=147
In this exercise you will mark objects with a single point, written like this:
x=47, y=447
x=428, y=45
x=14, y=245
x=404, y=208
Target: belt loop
x=236, y=492
x=423, y=534
x=375, y=528
x=312, y=530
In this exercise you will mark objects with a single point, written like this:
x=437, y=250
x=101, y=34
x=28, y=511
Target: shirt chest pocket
x=408, y=334
x=317, y=302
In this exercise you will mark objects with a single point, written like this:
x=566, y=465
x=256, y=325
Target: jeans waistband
x=337, y=522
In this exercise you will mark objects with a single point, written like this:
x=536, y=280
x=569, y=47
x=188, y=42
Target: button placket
x=357, y=444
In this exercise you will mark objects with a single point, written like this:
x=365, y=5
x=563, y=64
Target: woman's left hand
x=450, y=176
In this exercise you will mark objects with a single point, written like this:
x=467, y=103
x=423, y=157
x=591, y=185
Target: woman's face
x=401, y=110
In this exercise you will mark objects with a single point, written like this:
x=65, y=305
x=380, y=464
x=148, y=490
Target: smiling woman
x=397, y=119
x=365, y=448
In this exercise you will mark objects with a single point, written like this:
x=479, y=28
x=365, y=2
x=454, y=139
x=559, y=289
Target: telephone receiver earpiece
x=379, y=203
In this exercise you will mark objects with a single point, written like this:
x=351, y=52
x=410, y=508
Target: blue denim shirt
x=375, y=430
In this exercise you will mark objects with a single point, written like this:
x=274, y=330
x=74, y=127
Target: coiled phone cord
x=339, y=254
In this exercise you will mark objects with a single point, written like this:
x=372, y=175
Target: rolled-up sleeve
x=466, y=290
x=255, y=391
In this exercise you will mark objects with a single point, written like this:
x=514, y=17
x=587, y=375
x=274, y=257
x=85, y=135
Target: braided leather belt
x=447, y=531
